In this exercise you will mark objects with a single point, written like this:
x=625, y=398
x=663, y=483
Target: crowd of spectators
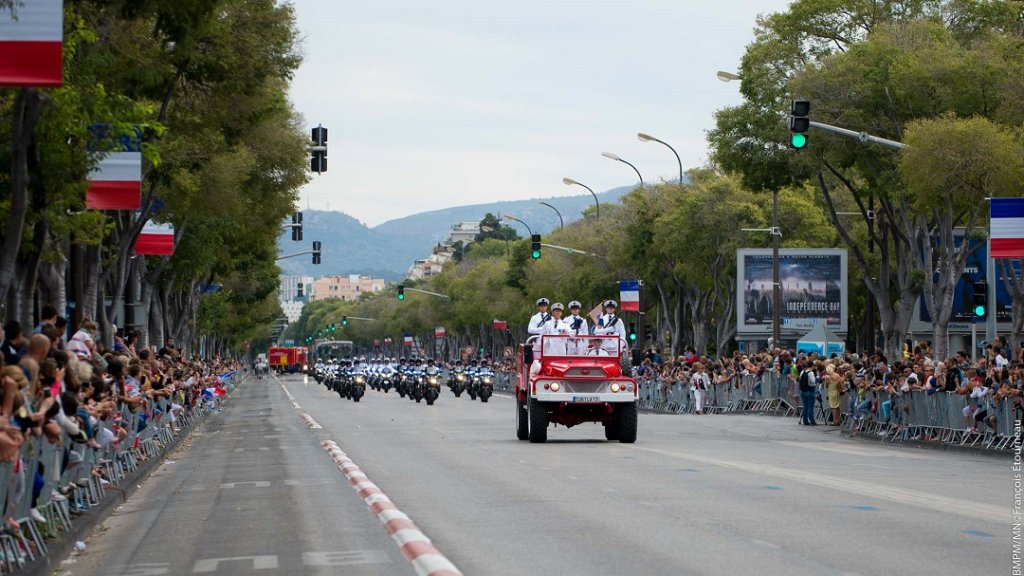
x=75, y=394
x=806, y=380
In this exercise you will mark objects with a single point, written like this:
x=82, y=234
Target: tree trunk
x=91, y=273
x=28, y=105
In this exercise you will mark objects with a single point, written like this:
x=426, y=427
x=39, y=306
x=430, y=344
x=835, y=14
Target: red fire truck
x=287, y=359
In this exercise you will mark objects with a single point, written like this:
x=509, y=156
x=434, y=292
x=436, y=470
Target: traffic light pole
x=295, y=254
x=446, y=297
x=569, y=250
x=862, y=136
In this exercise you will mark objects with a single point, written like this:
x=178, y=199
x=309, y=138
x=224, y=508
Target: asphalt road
x=719, y=494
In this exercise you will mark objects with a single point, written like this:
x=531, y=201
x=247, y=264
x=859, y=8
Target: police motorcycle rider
x=344, y=377
x=402, y=377
x=318, y=370
x=538, y=326
x=457, y=378
x=609, y=324
x=416, y=380
x=431, y=381
x=357, y=384
x=473, y=379
x=485, y=388
x=386, y=376
x=578, y=327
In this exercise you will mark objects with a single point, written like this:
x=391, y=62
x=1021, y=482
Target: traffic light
x=297, y=227
x=647, y=333
x=318, y=161
x=316, y=252
x=401, y=292
x=535, y=246
x=298, y=294
x=799, y=124
x=980, y=299
x=632, y=332
x=344, y=321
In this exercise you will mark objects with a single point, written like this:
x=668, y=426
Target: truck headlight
x=616, y=387
x=555, y=386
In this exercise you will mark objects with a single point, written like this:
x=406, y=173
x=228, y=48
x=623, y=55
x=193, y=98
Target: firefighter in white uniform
x=538, y=325
x=556, y=327
x=611, y=325
x=578, y=327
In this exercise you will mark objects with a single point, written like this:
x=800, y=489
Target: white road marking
x=254, y=484
x=934, y=502
x=258, y=563
x=344, y=558
x=141, y=569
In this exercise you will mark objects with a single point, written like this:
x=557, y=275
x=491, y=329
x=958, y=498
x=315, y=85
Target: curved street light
x=571, y=182
x=561, y=223
x=513, y=218
x=727, y=76
x=508, y=250
x=647, y=138
x=611, y=156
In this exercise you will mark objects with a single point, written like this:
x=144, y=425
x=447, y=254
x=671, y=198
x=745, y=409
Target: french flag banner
x=155, y=240
x=115, y=183
x=31, y=44
x=408, y=340
x=1006, y=231
x=629, y=296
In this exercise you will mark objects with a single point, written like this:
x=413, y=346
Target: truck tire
x=538, y=422
x=626, y=365
x=522, y=420
x=627, y=424
x=611, y=430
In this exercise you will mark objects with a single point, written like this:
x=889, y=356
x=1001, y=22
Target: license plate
x=586, y=398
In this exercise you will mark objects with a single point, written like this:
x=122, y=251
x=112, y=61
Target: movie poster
x=813, y=289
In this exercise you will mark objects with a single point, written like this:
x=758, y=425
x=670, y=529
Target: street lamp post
x=727, y=76
x=611, y=156
x=508, y=250
x=511, y=218
x=561, y=223
x=571, y=182
x=647, y=138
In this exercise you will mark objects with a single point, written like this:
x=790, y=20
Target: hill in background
x=387, y=250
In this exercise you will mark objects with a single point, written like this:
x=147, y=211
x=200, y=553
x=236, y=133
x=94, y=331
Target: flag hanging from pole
x=115, y=183
x=31, y=44
x=1006, y=229
x=155, y=240
x=629, y=296
x=408, y=340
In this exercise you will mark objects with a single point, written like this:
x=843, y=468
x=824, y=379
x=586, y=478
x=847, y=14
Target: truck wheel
x=522, y=420
x=627, y=423
x=538, y=422
x=626, y=365
x=611, y=430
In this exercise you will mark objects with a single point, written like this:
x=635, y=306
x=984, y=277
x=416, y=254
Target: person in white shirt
x=577, y=326
x=611, y=325
x=556, y=327
x=538, y=325
x=700, y=382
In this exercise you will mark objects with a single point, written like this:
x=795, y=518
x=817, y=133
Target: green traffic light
x=632, y=337
x=401, y=296
x=979, y=310
x=536, y=254
x=798, y=140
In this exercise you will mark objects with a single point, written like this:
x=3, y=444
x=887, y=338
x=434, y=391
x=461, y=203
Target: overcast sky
x=439, y=103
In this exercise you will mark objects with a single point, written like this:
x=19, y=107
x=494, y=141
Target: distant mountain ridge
x=388, y=249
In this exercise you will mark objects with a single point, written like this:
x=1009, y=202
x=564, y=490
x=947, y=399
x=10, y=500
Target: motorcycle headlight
x=359, y=379
x=460, y=377
x=433, y=380
x=487, y=379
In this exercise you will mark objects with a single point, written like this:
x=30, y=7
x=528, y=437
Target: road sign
x=507, y=352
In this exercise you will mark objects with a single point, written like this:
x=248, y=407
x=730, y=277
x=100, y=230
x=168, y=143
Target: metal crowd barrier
x=68, y=478
x=916, y=415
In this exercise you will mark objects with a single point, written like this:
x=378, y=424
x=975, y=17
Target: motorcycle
x=474, y=386
x=417, y=387
x=402, y=385
x=486, y=387
x=432, y=387
x=457, y=383
x=357, y=389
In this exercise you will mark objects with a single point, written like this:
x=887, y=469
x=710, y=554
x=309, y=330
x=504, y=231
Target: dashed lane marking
x=425, y=558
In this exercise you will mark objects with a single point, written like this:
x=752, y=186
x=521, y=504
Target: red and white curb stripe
x=313, y=424
x=415, y=546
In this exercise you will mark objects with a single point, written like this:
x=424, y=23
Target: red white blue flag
x=1007, y=228
x=31, y=43
x=155, y=240
x=408, y=340
x=629, y=296
x=116, y=181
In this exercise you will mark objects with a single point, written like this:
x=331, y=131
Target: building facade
x=348, y=288
x=289, y=290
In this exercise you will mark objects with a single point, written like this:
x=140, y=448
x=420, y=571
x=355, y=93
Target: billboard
x=814, y=289
x=975, y=270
